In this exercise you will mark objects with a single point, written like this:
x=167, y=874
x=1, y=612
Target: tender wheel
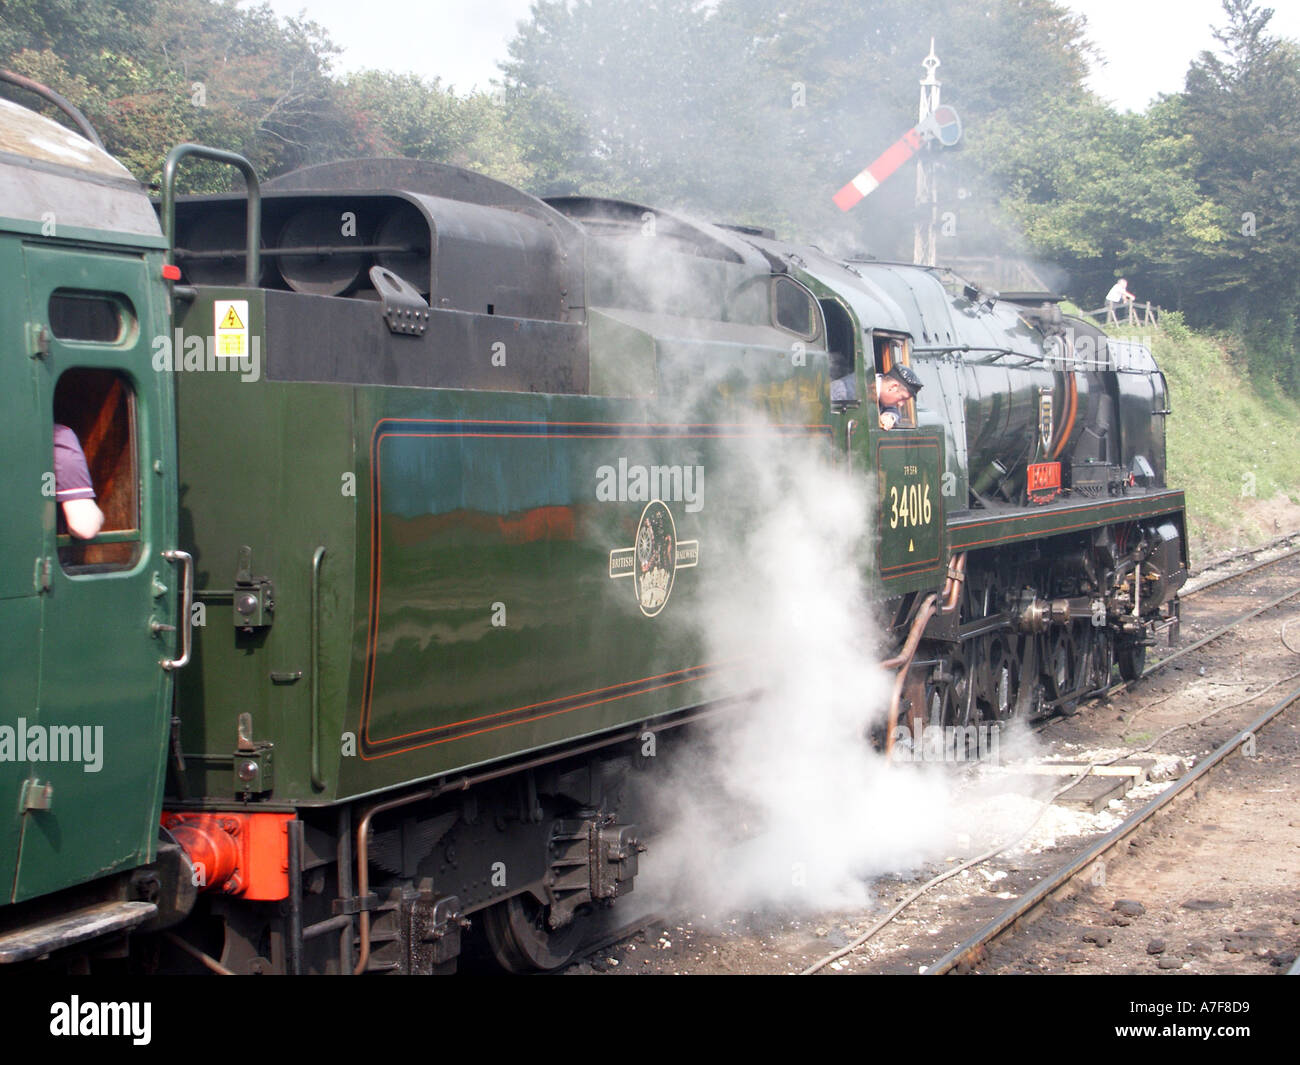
x=1132, y=659
x=521, y=942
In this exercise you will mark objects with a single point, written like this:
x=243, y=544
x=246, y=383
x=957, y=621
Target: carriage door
x=908, y=463
x=21, y=546
x=95, y=735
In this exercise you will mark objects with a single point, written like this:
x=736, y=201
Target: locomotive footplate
x=981, y=528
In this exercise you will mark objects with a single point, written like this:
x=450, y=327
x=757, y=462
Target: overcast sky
x=1147, y=46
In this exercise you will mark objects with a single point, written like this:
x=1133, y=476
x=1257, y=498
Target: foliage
x=401, y=114
x=150, y=73
x=756, y=111
x=1243, y=115
x=1229, y=447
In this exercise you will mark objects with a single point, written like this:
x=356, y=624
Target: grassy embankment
x=1233, y=446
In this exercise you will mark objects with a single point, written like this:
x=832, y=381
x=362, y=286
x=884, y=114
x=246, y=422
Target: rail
x=971, y=951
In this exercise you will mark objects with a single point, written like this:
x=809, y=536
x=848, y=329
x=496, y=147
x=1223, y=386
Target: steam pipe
x=904, y=661
x=956, y=578
x=343, y=858
x=363, y=866
x=913, y=636
x=293, y=949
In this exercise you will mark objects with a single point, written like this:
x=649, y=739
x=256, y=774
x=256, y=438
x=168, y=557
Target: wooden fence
x=1128, y=313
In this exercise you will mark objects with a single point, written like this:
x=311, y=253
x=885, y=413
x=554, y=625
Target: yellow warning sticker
x=231, y=328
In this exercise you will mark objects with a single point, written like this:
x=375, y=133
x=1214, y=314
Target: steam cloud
x=785, y=802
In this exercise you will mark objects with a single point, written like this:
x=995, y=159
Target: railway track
x=1031, y=897
x=1017, y=914
x=970, y=952
x=1288, y=539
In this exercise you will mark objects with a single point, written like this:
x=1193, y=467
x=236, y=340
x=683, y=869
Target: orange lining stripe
x=561, y=698
x=526, y=721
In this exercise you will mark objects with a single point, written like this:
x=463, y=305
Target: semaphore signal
x=935, y=122
x=943, y=125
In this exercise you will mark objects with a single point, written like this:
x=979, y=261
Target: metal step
x=71, y=928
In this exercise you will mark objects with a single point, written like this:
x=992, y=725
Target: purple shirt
x=71, y=475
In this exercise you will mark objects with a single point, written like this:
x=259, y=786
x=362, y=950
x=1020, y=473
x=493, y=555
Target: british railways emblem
x=655, y=559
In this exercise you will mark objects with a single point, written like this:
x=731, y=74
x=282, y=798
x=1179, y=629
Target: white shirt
x=1118, y=291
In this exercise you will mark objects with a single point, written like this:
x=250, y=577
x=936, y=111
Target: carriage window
x=89, y=316
x=97, y=407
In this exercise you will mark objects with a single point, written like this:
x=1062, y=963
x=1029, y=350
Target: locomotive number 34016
x=909, y=505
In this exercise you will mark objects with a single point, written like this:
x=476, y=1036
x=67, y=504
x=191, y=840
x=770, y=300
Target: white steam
x=785, y=801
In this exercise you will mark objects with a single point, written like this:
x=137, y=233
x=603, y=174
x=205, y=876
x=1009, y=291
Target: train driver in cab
x=893, y=390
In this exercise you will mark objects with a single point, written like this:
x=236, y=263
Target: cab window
x=839, y=345
x=794, y=309
x=894, y=351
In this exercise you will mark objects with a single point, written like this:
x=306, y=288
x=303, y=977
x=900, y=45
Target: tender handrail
x=253, y=260
x=317, y=780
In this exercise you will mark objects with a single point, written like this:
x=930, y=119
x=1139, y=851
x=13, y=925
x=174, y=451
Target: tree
x=154, y=72
x=1242, y=109
x=758, y=110
x=401, y=114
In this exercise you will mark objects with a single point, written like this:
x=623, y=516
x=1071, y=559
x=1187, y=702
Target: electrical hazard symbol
x=231, y=332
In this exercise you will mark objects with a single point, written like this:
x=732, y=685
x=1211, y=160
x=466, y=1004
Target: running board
x=37, y=940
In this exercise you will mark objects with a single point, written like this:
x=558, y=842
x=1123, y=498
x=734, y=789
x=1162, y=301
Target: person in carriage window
x=73, y=490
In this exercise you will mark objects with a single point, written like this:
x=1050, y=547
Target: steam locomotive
x=414, y=486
